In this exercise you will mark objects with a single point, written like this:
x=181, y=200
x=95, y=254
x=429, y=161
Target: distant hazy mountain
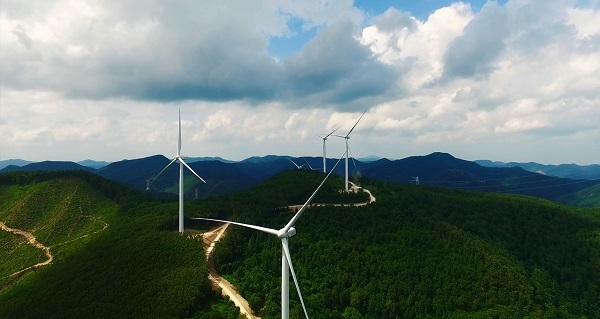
x=263, y=159
x=49, y=166
x=563, y=170
x=16, y=162
x=93, y=164
x=444, y=170
x=209, y=158
x=370, y=158
x=436, y=169
x=221, y=178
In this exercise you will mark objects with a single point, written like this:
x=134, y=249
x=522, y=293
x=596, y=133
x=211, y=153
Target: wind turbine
x=286, y=260
x=307, y=163
x=179, y=159
x=347, y=137
x=297, y=166
x=324, y=138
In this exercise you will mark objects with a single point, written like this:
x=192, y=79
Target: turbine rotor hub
x=291, y=232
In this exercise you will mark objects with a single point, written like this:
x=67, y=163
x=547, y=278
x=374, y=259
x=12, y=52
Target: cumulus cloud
x=187, y=50
x=473, y=53
x=334, y=68
x=113, y=73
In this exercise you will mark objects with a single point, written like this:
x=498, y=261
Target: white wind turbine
x=179, y=158
x=347, y=137
x=286, y=260
x=324, y=138
x=307, y=163
x=297, y=166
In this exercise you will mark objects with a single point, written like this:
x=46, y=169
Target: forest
x=138, y=267
x=420, y=252
x=417, y=252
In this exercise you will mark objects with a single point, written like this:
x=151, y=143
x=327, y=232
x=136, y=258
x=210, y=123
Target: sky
x=515, y=80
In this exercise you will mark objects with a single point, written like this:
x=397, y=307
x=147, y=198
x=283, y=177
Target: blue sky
x=419, y=9
x=284, y=46
x=513, y=80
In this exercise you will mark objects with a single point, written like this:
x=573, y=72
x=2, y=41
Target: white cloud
x=105, y=79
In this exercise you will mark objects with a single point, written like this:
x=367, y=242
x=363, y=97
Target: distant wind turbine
x=347, y=137
x=324, y=138
x=178, y=158
x=286, y=260
x=297, y=166
x=307, y=163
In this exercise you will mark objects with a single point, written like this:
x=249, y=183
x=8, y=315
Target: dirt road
x=209, y=239
x=33, y=242
x=357, y=188
x=354, y=188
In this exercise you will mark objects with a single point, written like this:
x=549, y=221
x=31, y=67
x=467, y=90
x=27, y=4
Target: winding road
x=210, y=238
x=354, y=189
x=33, y=242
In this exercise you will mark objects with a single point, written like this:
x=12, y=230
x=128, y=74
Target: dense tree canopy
x=420, y=252
x=417, y=252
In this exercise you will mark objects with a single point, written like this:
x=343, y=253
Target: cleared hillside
x=137, y=266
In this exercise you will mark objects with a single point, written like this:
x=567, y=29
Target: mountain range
x=569, y=183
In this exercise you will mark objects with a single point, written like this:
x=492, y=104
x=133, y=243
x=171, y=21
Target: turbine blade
x=352, y=129
x=262, y=229
x=286, y=250
x=191, y=170
x=301, y=210
x=308, y=165
x=179, y=139
x=163, y=170
x=289, y=159
x=326, y=136
x=351, y=156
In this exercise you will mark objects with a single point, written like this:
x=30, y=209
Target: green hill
x=589, y=197
x=417, y=252
x=421, y=252
x=135, y=267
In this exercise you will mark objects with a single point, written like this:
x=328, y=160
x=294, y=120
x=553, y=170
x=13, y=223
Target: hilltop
x=136, y=266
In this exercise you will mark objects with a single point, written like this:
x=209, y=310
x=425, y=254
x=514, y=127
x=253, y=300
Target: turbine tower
x=324, y=138
x=347, y=137
x=179, y=159
x=286, y=260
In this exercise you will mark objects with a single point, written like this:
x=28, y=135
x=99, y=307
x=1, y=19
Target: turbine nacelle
x=283, y=234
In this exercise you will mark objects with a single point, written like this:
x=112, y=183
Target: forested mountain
x=444, y=170
x=49, y=166
x=13, y=162
x=115, y=253
x=436, y=169
x=589, y=197
x=417, y=252
x=420, y=252
x=93, y=164
x=573, y=171
x=221, y=178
